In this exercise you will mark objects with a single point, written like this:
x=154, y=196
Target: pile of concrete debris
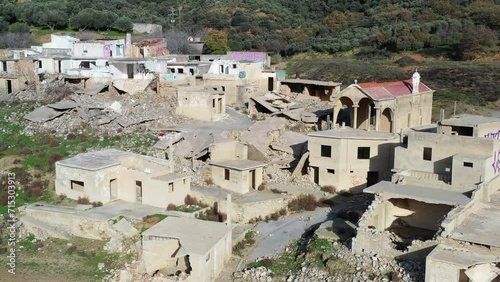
x=107, y=108
x=295, y=106
x=362, y=268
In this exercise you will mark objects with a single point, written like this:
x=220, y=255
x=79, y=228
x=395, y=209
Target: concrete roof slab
x=95, y=160
x=469, y=120
x=239, y=164
x=196, y=236
x=481, y=227
x=353, y=133
x=462, y=257
x=423, y=194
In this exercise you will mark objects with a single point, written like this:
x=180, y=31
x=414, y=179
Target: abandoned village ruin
x=242, y=139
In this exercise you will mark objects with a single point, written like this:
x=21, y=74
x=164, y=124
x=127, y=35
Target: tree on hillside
x=51, y=18
x=4, y=25
x=475, y=41
x=19, y=28
x=217, y=42
x=123, y=24
x=83, y=20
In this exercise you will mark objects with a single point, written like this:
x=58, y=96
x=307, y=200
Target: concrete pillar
x=354, y=122
x=334, y=117
x=228, y=220
x=377, y=118
x=369, y=117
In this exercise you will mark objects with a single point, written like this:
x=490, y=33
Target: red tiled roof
x=387, y=90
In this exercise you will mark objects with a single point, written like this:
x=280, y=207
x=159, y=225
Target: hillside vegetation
x=459, y=29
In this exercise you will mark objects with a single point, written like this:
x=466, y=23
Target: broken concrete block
x=131, y=86
x=64, y=105
x=43, y=114
x=291, y=142
x=114, y=244
x=117, y=107
x=125, y=228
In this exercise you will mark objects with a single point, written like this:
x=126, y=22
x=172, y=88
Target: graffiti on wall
x=249, y=56
x=493, y=135
x=496, y=162
x=357, y=180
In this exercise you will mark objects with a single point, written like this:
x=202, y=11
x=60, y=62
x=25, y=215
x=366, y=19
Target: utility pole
x=171, y=17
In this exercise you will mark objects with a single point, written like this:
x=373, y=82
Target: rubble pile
x=357, y=268
x=295, y=106
x=107, y=111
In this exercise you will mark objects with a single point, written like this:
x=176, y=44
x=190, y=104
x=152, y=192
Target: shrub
x=305, y=202
x=26, y=151
x=193, y=201
x=53, y=158
x=282, y=212
x=96, y=204
x=82, y=137
x=209, y=181
x=406, y=61
x=261, y=187
x=4, y=198
x=171, y=207
x=41, y=154
x=53, y=143
x=34, y=192
x=83, y=200
x=17, y=161
x=71, y=136
x=329, y=189
x=325, y=202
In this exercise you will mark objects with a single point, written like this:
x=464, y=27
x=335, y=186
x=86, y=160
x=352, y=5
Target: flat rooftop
x=195, y=236
x=354, y=133
x=309, y=81
x=418, y=193
x=469, y=120
x=461, y=256
x=238, y=164
x=482, y=226
x=171, y=177
x=95, y=160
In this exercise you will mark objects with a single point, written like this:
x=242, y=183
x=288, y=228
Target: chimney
x=441, y=115
x=343, y=125
x=416, y=82
x=228, y=208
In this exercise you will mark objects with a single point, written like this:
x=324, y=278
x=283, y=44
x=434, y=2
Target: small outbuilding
x=197, y=247
x=240, y=176
x=112, y=174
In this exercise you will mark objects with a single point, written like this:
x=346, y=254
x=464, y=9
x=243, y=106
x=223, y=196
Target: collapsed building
x=442, y=185
x=196, y=247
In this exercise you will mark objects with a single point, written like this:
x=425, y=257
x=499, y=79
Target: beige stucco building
x=17, y=74
x=387, y=106
x=471, y=249
x=456, y=163
x=111, y=174
x=199, y=248
x=201, y=104
x=231, y=168
x=471, y=125
x=240, y=80
x=350, y=158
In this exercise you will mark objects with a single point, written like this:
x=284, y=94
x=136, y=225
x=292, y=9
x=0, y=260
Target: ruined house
x=470, y=250
x=240, y=80
x=196, y=247
x=470, y=125
x=110, y=174
x=350, y=159
x=147, y=28
x=17, y=73
x=324, y=90
x=201, y=104
x=434, y=178
x=387, y=106
x=147, y=48
x=232, y=170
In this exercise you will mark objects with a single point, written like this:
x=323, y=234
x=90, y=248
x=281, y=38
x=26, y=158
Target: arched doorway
x=345, y=112
x=365, y=112
x=386, y=121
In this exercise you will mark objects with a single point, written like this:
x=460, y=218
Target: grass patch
x=321, y=245
x=285, y=263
